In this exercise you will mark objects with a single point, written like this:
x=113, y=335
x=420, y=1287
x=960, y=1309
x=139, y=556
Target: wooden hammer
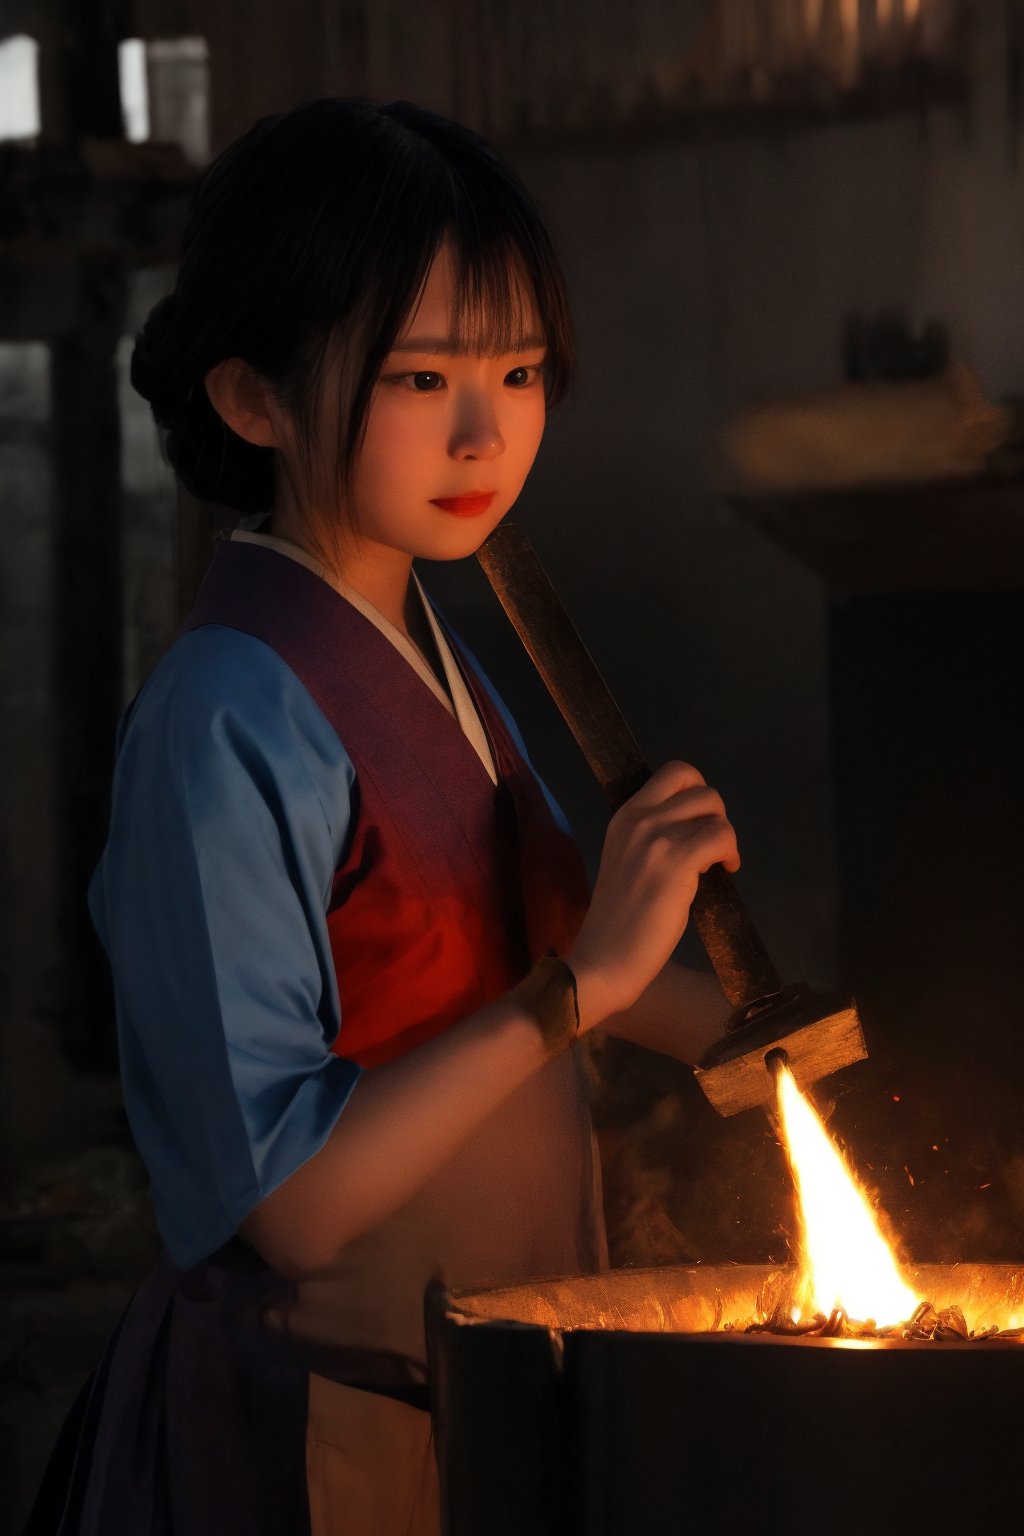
x=818, y=1032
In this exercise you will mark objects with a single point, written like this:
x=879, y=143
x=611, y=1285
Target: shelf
x=952, y=536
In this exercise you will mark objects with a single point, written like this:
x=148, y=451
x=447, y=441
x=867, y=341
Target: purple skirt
x=194, y=1421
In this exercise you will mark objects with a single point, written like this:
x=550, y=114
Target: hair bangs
x=508, y=293
x=494, y=306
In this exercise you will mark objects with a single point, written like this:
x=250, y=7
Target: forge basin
x=603, y=1404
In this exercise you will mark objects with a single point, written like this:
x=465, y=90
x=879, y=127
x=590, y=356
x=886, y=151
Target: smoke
x=682, y=1185
x=941, y=1154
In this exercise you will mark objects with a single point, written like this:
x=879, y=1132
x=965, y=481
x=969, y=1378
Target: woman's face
x=450, y=435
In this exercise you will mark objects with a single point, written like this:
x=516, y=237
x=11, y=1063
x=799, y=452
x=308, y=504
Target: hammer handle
x=522, y=586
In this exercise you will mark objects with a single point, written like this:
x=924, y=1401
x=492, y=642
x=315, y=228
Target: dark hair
x=319, y=225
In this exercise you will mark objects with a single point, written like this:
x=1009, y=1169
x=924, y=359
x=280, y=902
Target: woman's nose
x=476, y=433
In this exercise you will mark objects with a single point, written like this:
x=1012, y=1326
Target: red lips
x=471, y=505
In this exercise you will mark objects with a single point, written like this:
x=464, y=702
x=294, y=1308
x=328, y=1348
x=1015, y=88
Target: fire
x=844, y=1259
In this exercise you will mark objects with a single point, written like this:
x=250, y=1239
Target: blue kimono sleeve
x=231, y=808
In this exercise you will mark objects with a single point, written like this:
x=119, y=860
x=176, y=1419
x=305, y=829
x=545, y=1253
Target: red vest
x=449, y=887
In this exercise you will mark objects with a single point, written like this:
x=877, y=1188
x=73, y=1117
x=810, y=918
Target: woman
x=351, y=937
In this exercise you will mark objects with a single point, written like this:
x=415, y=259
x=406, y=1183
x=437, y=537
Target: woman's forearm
x=401, y=1124
x=681, y=1013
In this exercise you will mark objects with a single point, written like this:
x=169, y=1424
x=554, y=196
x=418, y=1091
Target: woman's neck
x=383, y=576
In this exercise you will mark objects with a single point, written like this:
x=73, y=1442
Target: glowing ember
x=844, y=1260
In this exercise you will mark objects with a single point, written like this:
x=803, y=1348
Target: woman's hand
x=657, y=846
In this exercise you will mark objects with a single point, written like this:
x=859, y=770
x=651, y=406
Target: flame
x=844, y=1259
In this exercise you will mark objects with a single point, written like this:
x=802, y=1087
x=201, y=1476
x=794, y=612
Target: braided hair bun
x=212, y=462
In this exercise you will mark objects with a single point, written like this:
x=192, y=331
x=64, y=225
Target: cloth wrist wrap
x=548, y=994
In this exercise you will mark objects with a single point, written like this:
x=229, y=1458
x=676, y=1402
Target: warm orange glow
x=812, y=15
x=844, y=1260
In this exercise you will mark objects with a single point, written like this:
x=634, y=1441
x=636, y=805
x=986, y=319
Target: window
x=131, y=61
x=19, y=88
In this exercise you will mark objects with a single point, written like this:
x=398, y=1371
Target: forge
x=622, y=1404
x=846, y=1393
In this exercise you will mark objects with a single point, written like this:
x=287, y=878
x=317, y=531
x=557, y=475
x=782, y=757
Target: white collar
x=457, y=701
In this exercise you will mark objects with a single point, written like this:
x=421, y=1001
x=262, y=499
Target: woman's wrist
x=596, y=996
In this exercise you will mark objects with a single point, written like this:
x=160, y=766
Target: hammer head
x=819, y=1032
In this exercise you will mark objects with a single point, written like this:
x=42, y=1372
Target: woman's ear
x=243, y=400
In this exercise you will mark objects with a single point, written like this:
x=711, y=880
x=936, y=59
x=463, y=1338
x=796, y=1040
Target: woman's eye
x=522, y=376
x=425, y=382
